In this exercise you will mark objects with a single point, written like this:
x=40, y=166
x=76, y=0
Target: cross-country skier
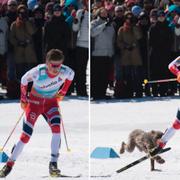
x=174, y=68
x=50, y=84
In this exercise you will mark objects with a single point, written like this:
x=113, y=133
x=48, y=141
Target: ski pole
x=159, y=81
x=64, y=132
x=19, y=119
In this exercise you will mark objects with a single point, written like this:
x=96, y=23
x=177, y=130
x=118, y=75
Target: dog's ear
x=153, y=132
x=157, y=134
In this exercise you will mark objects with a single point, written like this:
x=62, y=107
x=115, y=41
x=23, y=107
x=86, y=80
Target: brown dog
x=144, y=141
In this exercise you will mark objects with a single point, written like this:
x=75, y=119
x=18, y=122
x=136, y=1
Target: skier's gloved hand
x=23, y=99
x=178, y=77
x=24, y=105
x=60, y=96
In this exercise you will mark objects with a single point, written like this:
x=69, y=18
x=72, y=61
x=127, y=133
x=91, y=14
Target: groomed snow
x=33, y=162
x=110, y=124
x=112, y=121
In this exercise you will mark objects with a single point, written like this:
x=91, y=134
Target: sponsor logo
x=59, y=79
x=49, y=85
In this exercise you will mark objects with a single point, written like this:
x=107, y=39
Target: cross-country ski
x=112, y=123
x=139, y=161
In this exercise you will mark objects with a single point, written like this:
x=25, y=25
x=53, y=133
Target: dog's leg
x=152, y=164
x=122, y=149
x=159, y=160
x=128, y=147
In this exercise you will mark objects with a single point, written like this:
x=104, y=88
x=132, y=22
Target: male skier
x=50, y=84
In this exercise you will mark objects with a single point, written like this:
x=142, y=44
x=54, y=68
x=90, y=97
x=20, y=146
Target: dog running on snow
x=145, y=142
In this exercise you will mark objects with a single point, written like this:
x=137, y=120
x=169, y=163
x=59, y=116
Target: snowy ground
x=112, y=121
x=33, y=162
x=110, y=124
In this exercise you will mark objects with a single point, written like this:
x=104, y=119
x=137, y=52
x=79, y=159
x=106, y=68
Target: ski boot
x=5, y=171
x=53, y=170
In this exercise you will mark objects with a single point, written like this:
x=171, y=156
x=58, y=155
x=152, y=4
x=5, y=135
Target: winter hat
x=136, y=10
x=57, y=7
x=174, y=8
x=153, y=12
x=31, y=4
x=11, y=2
x=109, y=6
x=119, y=8
x=130, y=2
x=22, y=6
x=38, y=8
x=127, y=14
x=71, y=3
x=49, y=6
x=160, y=13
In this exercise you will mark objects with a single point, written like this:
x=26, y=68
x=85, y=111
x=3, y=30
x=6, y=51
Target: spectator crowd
x=133, y=40
x=130, y=40
x=30, y=28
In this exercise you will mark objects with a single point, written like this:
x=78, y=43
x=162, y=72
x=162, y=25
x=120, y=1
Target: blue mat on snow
x=3, y=157
x=104, y=153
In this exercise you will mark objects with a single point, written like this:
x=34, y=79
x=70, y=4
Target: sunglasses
x=55, y=65
x=57, y=10
x=12, y=5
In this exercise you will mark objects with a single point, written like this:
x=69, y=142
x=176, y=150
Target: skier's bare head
x=54, y=60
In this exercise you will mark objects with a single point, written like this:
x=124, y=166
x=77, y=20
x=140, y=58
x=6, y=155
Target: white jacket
x=83, y=28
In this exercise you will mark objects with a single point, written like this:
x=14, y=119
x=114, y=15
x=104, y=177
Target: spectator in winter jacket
x=144, y=24
x=131, y=61
x=56, y=31
x=81, y=26
x=21, y=37
x=3, y=47
x=38, y=21
x=11, y=16
x=49, y=11
x=12, y=83
x=11, y=11
x=160, y=42
x=118, y=21
x=103, y=33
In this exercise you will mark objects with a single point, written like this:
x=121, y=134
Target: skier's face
x=54, y=66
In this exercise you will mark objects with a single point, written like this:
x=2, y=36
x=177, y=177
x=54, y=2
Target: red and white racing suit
x=42, y=101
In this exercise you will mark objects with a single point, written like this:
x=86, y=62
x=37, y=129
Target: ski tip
x=166, y=149
x=169, y=148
